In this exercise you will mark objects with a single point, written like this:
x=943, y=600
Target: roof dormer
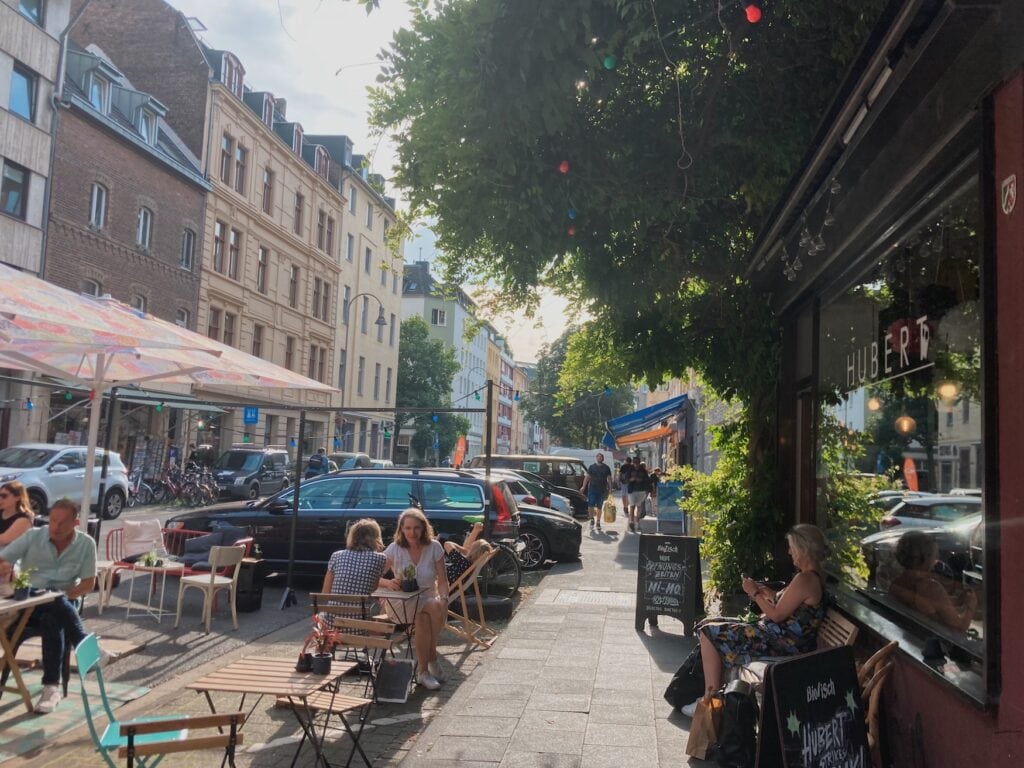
x=297, y=140
x=232, y=73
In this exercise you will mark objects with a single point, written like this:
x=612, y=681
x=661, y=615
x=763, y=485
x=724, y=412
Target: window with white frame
x=234, y=253
x=365, y=318
x=300, y=203
x=188, y=249
x=369, y=216
x=322, y=162
x=139, y=302
x=438, y=317
x=317, y=291
x=32, y=10
x=213, y=324
x=297, y=140
x=352, y=198
x=241, y=159
x=376, y=381
x=182, y=317
x=257, y=340
x=367, y=260
x=387, y=387
x=329, y=247
x=321, y=229
x=345, y=301
x=289, y=353
x=147, y=126
x=325, y=303
x=220, y=230
x=229, y=328
x=268, y=110
x=360, y=373
x=293, y=287
x=99, y=92
x=92, y=288
x=144, y=230
x=350, y=247
x=268, y=191
x=97, y=205
x=227, y=151
x=391, y=331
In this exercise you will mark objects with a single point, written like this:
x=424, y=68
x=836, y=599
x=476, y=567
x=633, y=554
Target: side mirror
x=59, y=468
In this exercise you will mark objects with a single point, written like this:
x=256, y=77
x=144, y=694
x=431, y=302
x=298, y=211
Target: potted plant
x=409, y=583
x=320, y=640
x=22, y=583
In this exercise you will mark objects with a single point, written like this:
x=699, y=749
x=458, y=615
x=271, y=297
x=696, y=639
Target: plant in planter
x=320, y=640
x=22, y=583
x=409, y=583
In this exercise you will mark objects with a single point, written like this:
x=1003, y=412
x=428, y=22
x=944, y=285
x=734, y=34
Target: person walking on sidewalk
x=624, y=473
x=639, y=487
x=595, y=486
x=62, y=558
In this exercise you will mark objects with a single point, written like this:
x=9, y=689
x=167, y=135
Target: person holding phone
x=789, y=618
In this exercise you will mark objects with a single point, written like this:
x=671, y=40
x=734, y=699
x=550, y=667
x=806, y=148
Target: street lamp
x=350, y=359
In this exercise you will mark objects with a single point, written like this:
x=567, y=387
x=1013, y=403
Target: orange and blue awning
x=645, y=424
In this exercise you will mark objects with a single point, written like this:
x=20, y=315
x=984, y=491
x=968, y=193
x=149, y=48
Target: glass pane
x=385, y=493
x=901, y=417
x=22, y=99
x=465, y=497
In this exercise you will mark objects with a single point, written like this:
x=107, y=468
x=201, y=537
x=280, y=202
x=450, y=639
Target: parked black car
x=580, y=508
x=328, y=504
x=547, y=535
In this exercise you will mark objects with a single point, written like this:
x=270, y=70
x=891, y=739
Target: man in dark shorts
x=595, y=485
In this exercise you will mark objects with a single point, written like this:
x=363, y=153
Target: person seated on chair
x=61, y=558
x=357, y=569
x=15, y=512
x=925, y=590
x=789, y=620
x=458, y=558
x=415, y=545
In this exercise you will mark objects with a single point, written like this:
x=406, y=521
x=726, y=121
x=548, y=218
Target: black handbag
x=737, y=733
x=687, y=683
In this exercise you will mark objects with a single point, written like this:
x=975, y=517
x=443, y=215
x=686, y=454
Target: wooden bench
x=834, y=631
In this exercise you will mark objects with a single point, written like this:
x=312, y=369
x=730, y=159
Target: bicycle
x=139, y=491
x=504, y=573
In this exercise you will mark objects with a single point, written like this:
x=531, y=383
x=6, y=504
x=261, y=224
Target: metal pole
x=106, y=459
x=288, y=598
x=489, y=431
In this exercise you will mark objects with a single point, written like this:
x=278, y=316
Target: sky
x=321, y=55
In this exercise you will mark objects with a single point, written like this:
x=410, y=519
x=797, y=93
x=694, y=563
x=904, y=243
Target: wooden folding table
x=14, y=615
x=262, y=676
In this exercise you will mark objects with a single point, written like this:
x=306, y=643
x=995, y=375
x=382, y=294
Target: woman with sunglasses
x=15, y=512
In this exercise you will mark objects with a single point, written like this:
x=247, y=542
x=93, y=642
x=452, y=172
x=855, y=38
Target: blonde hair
x=427, y=534
x=810, y=541
x=478, y=549
x=364, y=535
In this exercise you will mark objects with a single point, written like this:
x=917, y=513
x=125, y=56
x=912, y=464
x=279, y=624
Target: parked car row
x=329, y=503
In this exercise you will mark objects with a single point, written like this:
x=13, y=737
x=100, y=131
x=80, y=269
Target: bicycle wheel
x=144, y=495
x=159, y=493
x=504, y=573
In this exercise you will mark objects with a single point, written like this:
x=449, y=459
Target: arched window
x=139, y=302
x=91, y=288
x=182, y=318
x=144, y=231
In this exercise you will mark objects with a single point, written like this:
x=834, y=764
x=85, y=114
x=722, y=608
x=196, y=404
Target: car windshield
x=25, y=457
x=240, y=460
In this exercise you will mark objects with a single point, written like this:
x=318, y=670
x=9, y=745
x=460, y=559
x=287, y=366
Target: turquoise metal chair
x=145, y=740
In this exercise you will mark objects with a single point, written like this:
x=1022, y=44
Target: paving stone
x=503, y=707
x=558, y=721
x=468, y=725
x=603, y=756
x=569, y=684
x=514, y=759
x=547, y=740
x=486, y=690
x=637, y=714
x=618, y=735
x=459, y=748
x=560, y=702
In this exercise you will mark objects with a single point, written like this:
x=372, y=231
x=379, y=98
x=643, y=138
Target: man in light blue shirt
x=62, y=558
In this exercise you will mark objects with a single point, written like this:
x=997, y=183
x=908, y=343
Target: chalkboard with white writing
x=668, y=580
x=812, y=715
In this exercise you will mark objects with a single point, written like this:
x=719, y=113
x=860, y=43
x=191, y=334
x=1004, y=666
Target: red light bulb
x=563, y=167
x=571, y=230
x=753, y=13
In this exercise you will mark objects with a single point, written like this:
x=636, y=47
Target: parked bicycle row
x=194, y=487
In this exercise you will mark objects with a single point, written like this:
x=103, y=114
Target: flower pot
x=21, y=593
x=410, y=585
x=305, y=662
x=322, y=663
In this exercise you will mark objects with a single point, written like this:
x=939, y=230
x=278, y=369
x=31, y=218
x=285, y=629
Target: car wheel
x=535, y=552
x=254, y=491
x=37, y=501
x=113, y=504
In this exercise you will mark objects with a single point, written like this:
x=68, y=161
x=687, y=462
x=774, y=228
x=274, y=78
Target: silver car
x=50, y=471
x=930, y=511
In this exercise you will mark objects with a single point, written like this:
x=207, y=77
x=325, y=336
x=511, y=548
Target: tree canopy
x=623, y=152
x=426, y=368
x=572, y=409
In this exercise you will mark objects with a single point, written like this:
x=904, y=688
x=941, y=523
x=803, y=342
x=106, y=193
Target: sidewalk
x=570, y=683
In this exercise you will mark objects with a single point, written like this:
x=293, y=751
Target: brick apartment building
x=285, y=249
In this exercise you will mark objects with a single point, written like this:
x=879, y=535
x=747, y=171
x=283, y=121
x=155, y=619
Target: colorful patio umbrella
x=102, y=343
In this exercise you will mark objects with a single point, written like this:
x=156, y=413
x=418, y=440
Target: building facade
x=901, y=357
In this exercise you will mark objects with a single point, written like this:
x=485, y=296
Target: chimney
x=281, y=105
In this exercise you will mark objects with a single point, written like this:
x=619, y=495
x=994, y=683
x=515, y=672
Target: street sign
x=251, y=415
x=437, y=442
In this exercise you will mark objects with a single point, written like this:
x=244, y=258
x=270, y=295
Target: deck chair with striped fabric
x=472, y=630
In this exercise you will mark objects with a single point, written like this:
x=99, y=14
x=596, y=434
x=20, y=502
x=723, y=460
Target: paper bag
x=608, y=510
x=704, y=730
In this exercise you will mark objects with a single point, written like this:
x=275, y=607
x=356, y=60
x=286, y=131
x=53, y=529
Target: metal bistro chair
x=220, y=558
x=146, y=740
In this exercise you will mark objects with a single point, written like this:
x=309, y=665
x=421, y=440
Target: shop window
x=900, y=352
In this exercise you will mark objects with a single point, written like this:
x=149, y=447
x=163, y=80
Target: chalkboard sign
x=668, y=580
x=394, y=676
x=812, y=715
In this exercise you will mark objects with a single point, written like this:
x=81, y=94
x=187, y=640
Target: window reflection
x=901, y=461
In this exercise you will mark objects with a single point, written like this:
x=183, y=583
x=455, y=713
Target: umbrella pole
x=288, y=598
x=95, y=412
x=106, y=459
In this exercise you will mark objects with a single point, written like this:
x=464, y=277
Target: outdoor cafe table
x=15, y=614
x=402, y=608
x=262, y=676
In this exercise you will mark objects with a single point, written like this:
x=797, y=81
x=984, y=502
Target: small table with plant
x=14, y=615
x=156, y=567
